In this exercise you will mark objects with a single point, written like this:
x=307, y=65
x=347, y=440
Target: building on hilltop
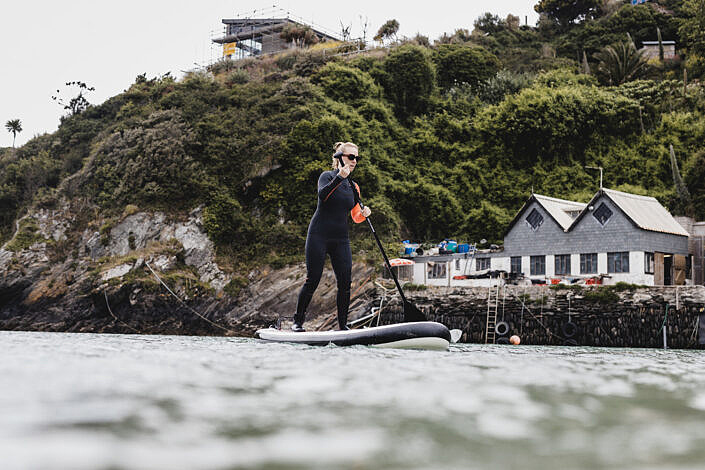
x=257, y=36
x=615, y=237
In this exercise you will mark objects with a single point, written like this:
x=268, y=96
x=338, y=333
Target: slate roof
x=559, y=209
x=644, y=211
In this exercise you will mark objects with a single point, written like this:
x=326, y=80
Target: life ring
x=502, y=340
x=501, y=328
x=570, y=342
x=569, y=329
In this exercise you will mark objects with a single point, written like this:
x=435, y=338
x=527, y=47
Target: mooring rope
x=186, y=305
x=115, y=317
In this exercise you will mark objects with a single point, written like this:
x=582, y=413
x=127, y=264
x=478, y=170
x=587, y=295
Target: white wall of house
x=636, y=274
x=501, y=263
x=602, y=263
x=459, y=266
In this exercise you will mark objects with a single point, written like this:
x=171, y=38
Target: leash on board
x=185, y=304
x=115, y=316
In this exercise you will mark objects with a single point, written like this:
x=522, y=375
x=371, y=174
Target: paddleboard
x=415, y=335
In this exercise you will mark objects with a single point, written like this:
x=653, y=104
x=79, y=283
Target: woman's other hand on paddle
x=366, y=212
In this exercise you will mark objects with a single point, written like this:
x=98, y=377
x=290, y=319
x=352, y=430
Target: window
x=602, y=214
x=538, y=265
x=515, y=264
x=618, y=262
x=482, y=263
x=534, y=219
x=435, y=270
x=649, y=263
x=588, y=263
x=562, y=264
x=457, y=265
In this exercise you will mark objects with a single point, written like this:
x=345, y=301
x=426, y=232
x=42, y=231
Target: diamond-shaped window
x=534, y=219
x=602, y=214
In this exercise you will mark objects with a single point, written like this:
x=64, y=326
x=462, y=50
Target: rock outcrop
x=107, y=277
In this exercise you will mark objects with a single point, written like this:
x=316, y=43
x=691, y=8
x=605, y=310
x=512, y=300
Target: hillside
x=454, y=136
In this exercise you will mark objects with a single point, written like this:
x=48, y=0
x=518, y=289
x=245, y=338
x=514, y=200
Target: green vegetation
x=26, y=236
x=454, y=133
x=604, y=295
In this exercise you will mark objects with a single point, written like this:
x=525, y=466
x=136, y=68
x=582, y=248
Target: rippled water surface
x=85, y=401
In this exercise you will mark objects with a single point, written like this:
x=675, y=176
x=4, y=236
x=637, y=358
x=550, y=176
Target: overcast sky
x=107, y=44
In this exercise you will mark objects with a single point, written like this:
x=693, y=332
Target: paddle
x=411, y=312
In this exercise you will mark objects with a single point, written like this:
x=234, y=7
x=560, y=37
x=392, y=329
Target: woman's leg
x=315, y=257
x=341, y=259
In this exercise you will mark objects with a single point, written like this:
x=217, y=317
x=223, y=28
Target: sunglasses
x=353, y=157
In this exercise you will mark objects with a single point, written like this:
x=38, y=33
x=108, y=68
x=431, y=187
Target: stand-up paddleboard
x=416, y=335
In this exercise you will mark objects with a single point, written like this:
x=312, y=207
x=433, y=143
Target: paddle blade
x=412, y=313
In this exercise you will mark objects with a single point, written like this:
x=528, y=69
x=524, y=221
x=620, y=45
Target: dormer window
x=534, y=219
x=602, y=214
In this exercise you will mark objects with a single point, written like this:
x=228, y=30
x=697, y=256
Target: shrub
x=235, y=286
x=460, y=63
x=409, y=80
x=223, y=218
x=147, y=165
x=344, y=83
x=130, y=209
x=556, y=123
x=26, y=236
x=503, y=83
x=237, y=77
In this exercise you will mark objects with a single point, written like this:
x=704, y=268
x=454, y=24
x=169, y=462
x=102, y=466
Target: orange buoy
x=515, y=340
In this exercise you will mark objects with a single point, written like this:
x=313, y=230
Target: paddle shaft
x=386, y=260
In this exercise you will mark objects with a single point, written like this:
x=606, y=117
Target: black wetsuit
x=328, y=234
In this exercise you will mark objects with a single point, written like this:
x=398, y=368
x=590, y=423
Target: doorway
x=667, y=270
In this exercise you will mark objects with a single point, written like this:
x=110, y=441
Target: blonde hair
x=341, y=146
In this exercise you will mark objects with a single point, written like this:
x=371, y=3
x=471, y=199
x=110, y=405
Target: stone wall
x=601, y=315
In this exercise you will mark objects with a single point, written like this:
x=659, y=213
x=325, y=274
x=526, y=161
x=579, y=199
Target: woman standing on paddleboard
x=328, y=233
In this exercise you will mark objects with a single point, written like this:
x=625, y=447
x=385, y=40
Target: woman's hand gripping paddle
x=411, y=312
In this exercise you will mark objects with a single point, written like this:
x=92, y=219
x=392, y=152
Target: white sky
x=45, y=43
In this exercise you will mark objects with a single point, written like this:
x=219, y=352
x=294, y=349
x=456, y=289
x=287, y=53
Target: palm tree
x=14, y=126
x=620, y=63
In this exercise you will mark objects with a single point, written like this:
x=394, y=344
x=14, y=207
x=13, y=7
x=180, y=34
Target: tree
x=692, y=34
x=79, y=102
x=489, y=23
x=409, y=80
x=457, y=63
x=387, y=31
x=620, y=63
x=566, y=12
x=692, y=28
x=694, y=181
x=14, y=126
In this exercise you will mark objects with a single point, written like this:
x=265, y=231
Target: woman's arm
x=327, y=184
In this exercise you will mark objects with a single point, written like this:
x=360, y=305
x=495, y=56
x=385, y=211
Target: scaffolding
x=258, y=32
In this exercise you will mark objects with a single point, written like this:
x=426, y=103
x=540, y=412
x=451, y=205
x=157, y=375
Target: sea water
x=90, y=401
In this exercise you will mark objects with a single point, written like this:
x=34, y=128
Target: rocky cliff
x=62, y=273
